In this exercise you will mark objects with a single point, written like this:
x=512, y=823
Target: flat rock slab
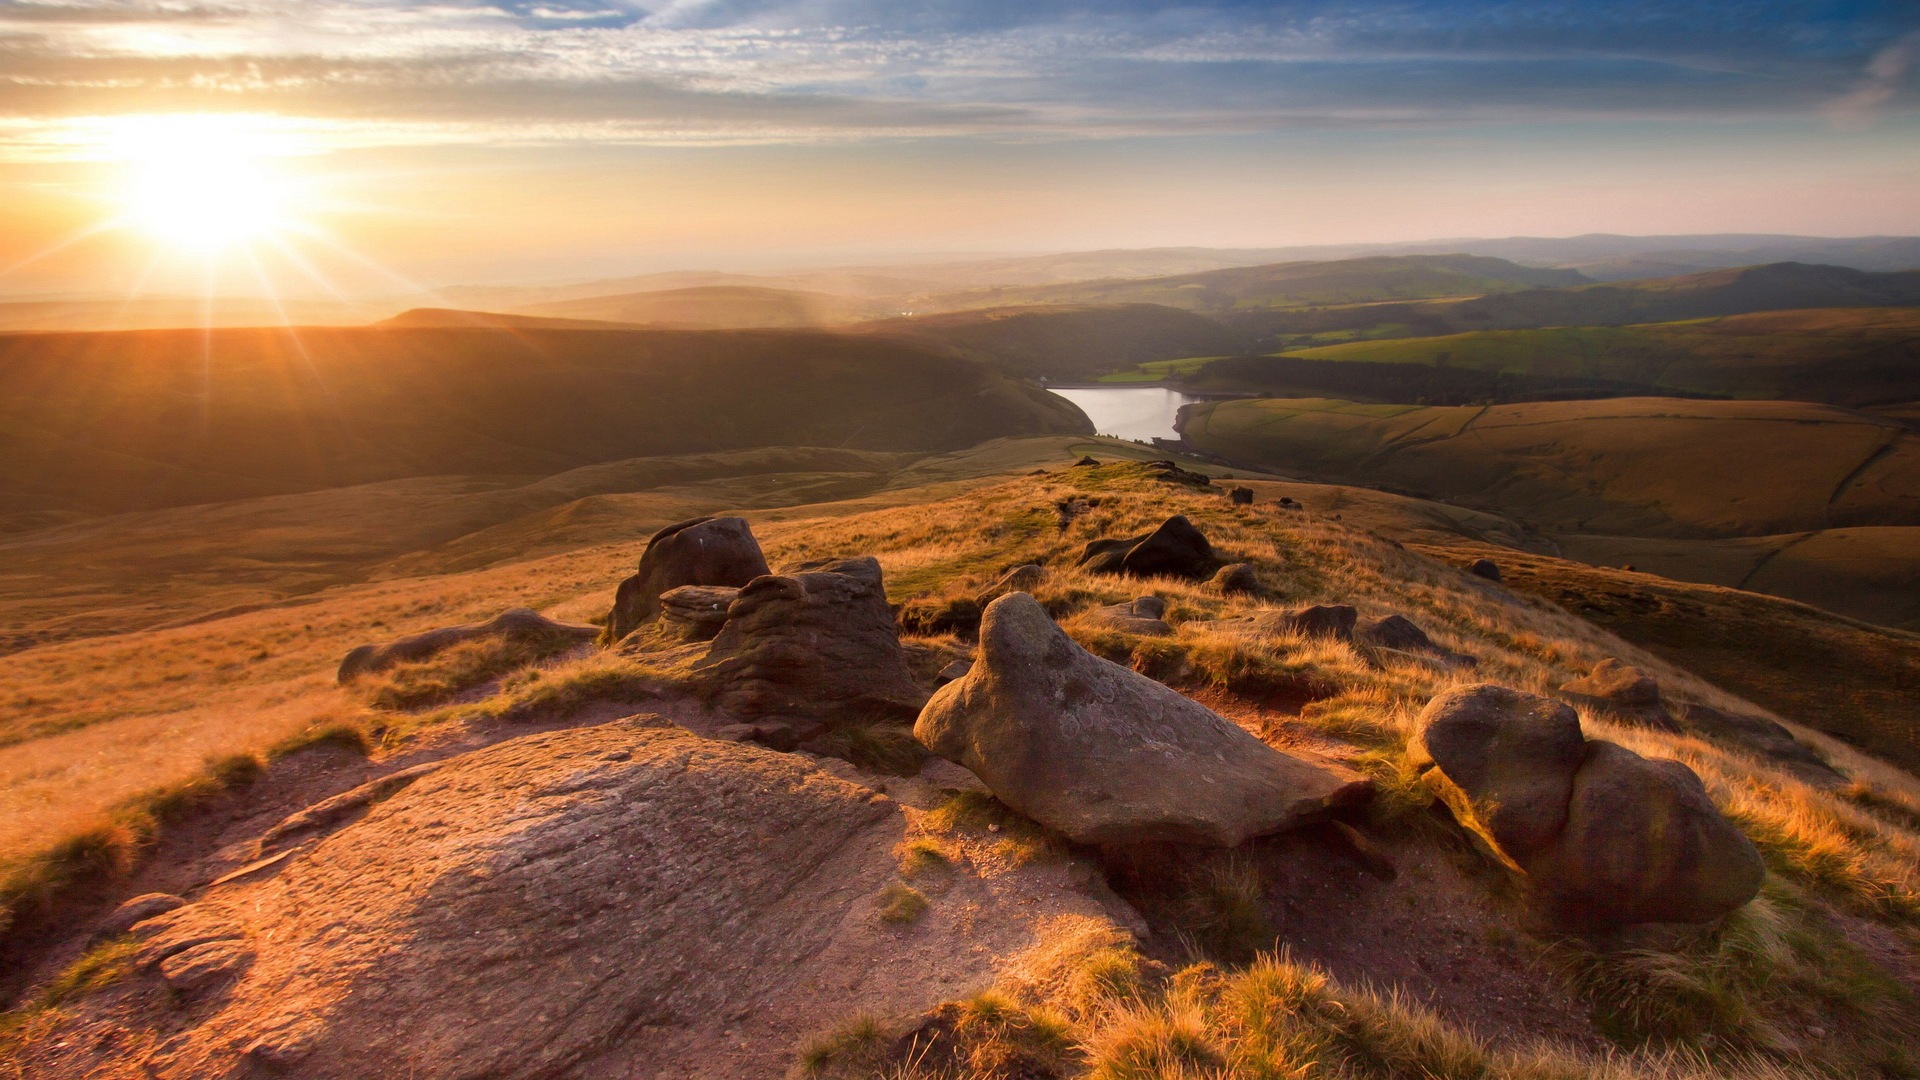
x=1105, y=755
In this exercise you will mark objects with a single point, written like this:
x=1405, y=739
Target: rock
x=328, y=812
x=1141, y=616
x=956, y=670
x=1241, y=496
x=1765, y=738
x=1173, y=473
x=1237, y=579
x=697, y=551
x=1606, y=837
x=1322, y=620
x=1505, y=760
x=1644, y=844
x=137, y=910
x=773, y=736
x=1401, y=634
x=181, y=929
x=1175, y=549
x=1287, y=500
x=203, y=965
x=1018, y=579
x=514, y=623
x=1086, y=463
x=1105, y=755
x=695, y=612
x=1623, y=690
x=819, y=644
x=1484, y=568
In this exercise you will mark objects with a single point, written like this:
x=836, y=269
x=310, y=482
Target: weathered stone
x=956, y=670
x=329, y=812
x=1139, y=616
x=203, y=965
x=1606, y=837
x=1765, y=738
x=695, y=612
x=1175, y=549
x=1237, y=579
x=1643, y=843
x=1623, y=690
x=1241, y=496
x=1323, y=620
x=1400, y=633
x=137, y=910
x=1019, y=579
x=514, y=623
x=1484, y=568
x=1505, y=760
x=698, y=551
x=820, y=643
x=774, y=736
x=1105, y=755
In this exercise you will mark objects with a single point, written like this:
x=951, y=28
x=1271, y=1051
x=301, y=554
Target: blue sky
x=1767, y=116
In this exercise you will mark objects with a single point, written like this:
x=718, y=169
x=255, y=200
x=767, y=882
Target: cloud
x=1884, y=77
x=807, y=70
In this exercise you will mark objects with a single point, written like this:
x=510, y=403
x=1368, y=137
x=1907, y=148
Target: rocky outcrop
x=695, y=612
x=1175, y=549
x=1605, y=836
x=1105, y=755
x=1019, y=579
x=1144, y=615
x=1237, y=579
x=819, y=644
x=1763, y=737
x=1401, y=634
x=698, y=551
x=1623, y=690
x=519, y=623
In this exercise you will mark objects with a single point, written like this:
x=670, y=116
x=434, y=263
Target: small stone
x=1484, y=568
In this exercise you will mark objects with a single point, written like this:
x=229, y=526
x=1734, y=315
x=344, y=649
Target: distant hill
x=721, y=307
x=1290, y=285
x=106, y=422
x=442, y=318
x=1842, y=356
x=1066, y=342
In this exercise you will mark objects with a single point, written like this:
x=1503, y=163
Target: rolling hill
x=107, y=422
x=1840, y=356
x=717, y=307
x=1065, y=343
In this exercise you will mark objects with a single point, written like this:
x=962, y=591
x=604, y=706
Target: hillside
x=107, y=422
x=1841, y=356
x=1065, y=343
x=491, y=819
x=1287, y=285
x=716, y=307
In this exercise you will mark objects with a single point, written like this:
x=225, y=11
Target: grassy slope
x=717, y=307
x=101, y=422
x=1846, y=356
x=1633, y=466
x=1068, y=342
x=1765, y=980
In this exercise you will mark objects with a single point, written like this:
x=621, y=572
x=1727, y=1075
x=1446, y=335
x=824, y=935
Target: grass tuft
x=902, y=904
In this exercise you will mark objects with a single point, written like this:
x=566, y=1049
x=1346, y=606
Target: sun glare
x=202, y=183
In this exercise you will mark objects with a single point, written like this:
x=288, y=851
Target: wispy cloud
x=728, y=70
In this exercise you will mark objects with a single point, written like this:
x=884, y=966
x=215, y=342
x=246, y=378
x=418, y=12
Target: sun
x=202, y=184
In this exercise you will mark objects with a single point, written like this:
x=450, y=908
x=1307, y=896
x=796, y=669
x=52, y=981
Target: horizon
x=392, y=148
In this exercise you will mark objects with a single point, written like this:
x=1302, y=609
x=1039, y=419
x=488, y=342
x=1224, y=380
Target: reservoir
x=1129, y=412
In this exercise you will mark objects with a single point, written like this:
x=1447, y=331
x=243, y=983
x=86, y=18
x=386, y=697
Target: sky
x=381, y=145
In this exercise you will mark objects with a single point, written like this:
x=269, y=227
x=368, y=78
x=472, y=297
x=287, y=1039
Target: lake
x=1130, y=412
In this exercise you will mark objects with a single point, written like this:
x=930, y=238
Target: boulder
x=138, y=910
x=1105, y=755
x=1401, y=634
x=1019, y=579
x=1237, y=579
x=1241, y=496
x=1504, y=761
x=1644, y=844
x=820, y=644
x=697, y=551
x=1322, y=620
x=1175, y=549
x=1141, y=616
x=1484, y=568
x=695, y=612
x=1622, y=690
x=515, y=623
x=1762, y=736
x=1606, y=837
